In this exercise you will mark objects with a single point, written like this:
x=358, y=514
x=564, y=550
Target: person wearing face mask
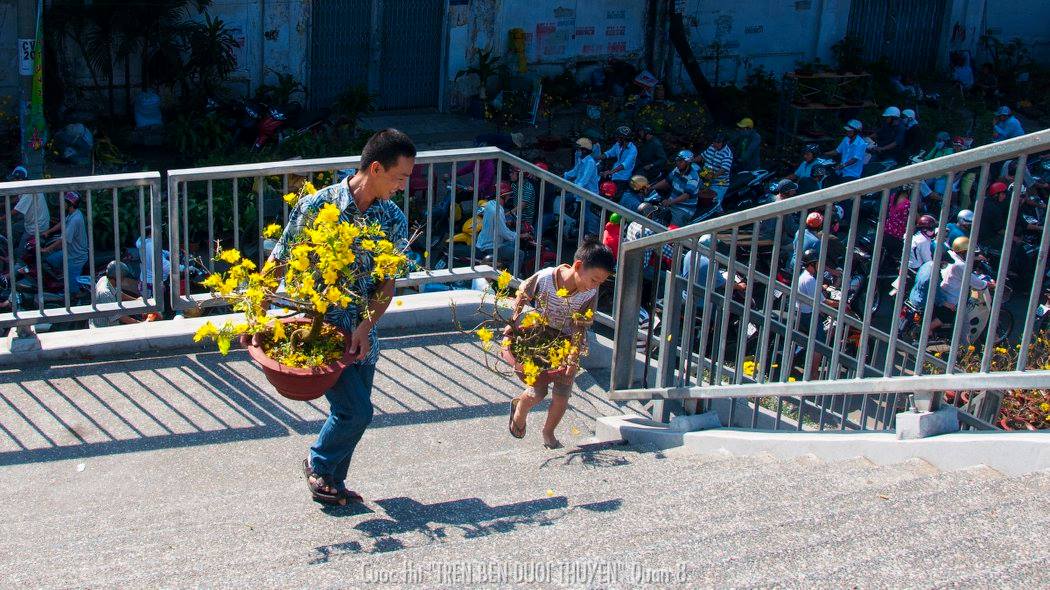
x=912, y=133
x=934, y=188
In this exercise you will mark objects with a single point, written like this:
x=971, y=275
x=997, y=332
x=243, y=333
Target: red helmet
x=541, y=165
x=996, y=188
x=814, y=220
x=926, y=222
x=607, y=189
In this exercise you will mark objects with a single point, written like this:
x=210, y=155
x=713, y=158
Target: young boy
x=566, y=291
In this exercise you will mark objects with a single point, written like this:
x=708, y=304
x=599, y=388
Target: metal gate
x=407, y=52
x=411, y=54
x=340, y=38
x=906, y=33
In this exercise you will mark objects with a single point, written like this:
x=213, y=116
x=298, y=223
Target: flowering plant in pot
x=300, y=354
x=529, y=344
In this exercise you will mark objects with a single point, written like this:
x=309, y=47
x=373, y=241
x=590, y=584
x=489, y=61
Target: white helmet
x=908, y=113
x=891, y=112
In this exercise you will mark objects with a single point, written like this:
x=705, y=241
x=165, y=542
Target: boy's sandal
x=510, y=425
x=318, y=484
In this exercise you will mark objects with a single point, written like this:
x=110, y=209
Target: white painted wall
x=556, y=32
x=1027, y=19
x=279, y=31
x=773, y=35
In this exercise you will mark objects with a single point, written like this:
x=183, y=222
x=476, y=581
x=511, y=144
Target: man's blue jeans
x=351, y=412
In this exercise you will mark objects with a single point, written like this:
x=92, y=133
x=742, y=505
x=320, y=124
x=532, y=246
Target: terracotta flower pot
x=508, y=356
x=299, y=384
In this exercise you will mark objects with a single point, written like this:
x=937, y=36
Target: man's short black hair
x=386, y=147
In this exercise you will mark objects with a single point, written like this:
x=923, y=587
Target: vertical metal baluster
x=260, y=212
x=452, y=211
x=745, y=320
x=142, y=233
x=767, y=305
x=284, y=208
x=671, y=318
x=497, y=228
x=211, y=220
x=902, y=273
x=938, y=254
x=727, y=307
x=475, y=230
x=984, y=179
x=158, y=277
x=539, y=226
x=13, y=291
x=236, y=216
x=869, y=294
x=1033, y=297
x=1004, y=264
x=689, y=310
x=788, y=359
x=39, y=256
x=561, y=225
x=430, y=214
x=705, y=322
x=91, y=252
x=814, y=316
x=846, y=281
x=517, y=223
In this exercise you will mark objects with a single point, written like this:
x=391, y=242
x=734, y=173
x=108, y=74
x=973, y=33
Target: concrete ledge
x=425, y=310
x=913, y=425
x=1012, y=453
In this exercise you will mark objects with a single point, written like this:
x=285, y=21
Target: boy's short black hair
x=386, y=147
x=594, y=254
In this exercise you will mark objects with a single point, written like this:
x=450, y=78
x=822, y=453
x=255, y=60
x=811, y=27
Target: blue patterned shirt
x=389, y=217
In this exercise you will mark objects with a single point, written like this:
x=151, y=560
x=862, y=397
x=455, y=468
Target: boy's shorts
x=561, y=384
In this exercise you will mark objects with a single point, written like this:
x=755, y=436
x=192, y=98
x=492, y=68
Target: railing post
x=628, y=302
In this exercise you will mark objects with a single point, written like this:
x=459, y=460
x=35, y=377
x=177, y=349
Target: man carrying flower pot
x=386, y=164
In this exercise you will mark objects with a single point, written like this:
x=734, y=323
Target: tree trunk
x=680, y=40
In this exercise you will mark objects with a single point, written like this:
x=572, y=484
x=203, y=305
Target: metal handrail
x=706, y=372
x=1004, y=150
x=178, y=193
x=92, y=187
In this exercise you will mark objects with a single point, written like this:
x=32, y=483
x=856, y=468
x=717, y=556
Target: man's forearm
x=378, y=305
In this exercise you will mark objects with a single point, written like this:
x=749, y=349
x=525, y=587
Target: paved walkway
x=183, y=470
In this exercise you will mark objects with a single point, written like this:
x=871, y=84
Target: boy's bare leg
x=559, y=403
x=525, y=403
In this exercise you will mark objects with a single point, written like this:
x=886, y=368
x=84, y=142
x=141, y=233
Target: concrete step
x=225, y=505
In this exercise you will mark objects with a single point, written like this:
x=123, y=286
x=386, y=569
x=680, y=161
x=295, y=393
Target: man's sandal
x=321, y=484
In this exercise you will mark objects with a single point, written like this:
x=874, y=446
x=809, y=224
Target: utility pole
x=28, y=12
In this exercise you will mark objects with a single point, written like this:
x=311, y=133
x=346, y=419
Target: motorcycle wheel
x=1005, y=326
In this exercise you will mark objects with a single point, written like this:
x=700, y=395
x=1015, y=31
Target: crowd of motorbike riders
x=727, y=176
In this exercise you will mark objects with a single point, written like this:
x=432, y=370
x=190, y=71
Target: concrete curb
x=424, y=310
x=1011, y=453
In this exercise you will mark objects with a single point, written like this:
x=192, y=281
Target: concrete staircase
x=122, y=503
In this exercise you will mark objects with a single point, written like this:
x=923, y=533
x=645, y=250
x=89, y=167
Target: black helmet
x=623, y=132
x=810, y=257
x=786, y=185
x=811, y=148
x=646, y=130
x=820, y=171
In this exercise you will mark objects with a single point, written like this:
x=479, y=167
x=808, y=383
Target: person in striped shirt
x=717, y=158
